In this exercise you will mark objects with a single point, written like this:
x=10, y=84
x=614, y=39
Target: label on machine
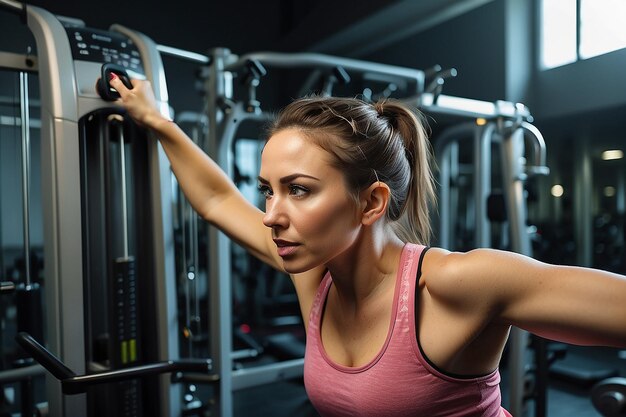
x=101, y=46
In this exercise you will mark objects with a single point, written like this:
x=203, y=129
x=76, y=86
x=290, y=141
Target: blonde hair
x=383, y=141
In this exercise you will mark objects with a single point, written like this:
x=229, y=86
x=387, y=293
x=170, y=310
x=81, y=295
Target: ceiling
x=328, y=26
x=384, y=23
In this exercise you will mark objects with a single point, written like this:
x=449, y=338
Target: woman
x=392, y=328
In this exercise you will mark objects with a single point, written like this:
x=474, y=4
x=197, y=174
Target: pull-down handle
x=76, y=384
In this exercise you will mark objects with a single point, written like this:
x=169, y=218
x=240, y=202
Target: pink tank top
x=399, y=381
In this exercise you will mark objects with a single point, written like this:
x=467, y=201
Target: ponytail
x=414, y=224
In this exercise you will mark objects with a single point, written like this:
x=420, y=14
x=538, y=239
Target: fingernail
x=112, y=76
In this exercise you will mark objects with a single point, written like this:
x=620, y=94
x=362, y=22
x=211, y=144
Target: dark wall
x=592, y=84
x=187, y=24
x=472, y=43
x=240, y=25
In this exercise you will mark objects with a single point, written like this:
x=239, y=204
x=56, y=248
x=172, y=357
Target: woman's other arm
x=570, y=304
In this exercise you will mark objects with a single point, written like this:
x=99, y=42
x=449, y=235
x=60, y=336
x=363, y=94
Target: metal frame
x=220, y=291
x=446, y=152
x=23, y=65
x=62, y=104
x=513, y=173
x=320, y=62
x=509, y=131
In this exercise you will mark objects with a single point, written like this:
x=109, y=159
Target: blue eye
x=264, y=190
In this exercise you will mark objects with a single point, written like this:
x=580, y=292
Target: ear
x=374, y=202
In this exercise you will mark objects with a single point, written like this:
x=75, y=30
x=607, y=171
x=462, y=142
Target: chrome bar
x=181, y=53
x=13, y=6
x=315, y=60
x=219, y=86
x=482, y=183
x=513, y=178
x=25, y=125
x=446, y=152
x=14, y=121
x=261, y=375
x=539, y=165
x=124, y=192
x=466, y=107
x=122, y=155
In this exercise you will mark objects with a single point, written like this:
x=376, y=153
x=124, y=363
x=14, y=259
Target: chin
x=294, y=270
x=294, y=267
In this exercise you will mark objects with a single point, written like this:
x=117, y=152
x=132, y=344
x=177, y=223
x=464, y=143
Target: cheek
x=327, y=219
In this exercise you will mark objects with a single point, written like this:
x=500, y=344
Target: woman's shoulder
x=458, y=275
x=472, y=262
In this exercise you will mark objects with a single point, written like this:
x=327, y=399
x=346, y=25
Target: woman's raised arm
x=207, y=187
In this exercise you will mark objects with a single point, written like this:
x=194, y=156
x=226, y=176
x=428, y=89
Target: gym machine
x=21, y=260
x=190, y=266
x=111, y=314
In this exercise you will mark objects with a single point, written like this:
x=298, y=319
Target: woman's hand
x=139, y=102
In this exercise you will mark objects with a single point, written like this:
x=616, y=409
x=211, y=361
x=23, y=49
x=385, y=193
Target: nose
x=275, y=216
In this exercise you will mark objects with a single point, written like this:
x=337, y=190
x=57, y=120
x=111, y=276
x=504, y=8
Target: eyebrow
x=289, y=178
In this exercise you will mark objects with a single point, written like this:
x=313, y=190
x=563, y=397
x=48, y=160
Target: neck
x=360, y=272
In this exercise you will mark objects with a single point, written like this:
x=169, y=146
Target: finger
x=136, y=82
x=116, y=83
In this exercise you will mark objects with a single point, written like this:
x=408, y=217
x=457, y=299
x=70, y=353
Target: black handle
x=43, y=356
x=79, y=384
x=103, y=86
x=76, y=384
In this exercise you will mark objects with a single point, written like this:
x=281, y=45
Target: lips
x=285, y=248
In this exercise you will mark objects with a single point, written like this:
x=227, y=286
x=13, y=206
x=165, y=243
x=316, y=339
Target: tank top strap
x=409, y=263
x=319, y=301
x=415, y=285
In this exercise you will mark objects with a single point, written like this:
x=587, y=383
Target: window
x=558, y=27
x=579, y=29
x=601, y=27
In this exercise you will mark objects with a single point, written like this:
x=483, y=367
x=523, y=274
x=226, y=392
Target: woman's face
x=311, y=214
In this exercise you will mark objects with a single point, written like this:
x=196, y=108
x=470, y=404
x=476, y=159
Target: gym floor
x=571, y=399
x=565, y=398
